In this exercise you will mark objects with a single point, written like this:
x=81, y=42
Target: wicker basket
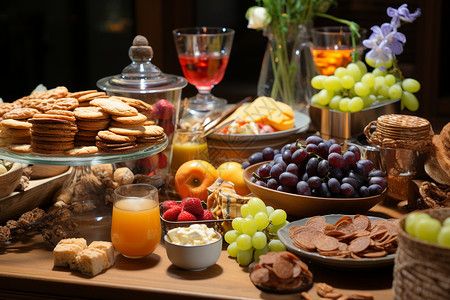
x=422, y=270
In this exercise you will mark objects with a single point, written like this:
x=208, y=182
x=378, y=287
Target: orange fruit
x=193, y=178
x=232, y=171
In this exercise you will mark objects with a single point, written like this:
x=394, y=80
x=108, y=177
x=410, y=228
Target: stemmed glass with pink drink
x=203, y=53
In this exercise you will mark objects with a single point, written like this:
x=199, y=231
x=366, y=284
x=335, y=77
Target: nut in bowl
x=193, y=248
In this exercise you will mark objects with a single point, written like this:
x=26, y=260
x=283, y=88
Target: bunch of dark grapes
x=319, y=168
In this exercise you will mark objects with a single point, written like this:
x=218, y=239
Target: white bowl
x=194, y=257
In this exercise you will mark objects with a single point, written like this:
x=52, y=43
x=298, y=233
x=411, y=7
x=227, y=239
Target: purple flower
x=402, y=14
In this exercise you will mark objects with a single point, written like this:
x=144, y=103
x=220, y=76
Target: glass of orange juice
x=332, y=47
x=188, y=145
x=136, y=227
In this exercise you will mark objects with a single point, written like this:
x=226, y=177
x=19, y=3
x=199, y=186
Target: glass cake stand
x=82, y=185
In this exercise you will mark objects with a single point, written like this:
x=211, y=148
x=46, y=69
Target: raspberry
x=172, y=214
x=186, y=216
x=194, y=206
x=162, y=160
x=163, y=109
x=166, y=205
x=207, y=215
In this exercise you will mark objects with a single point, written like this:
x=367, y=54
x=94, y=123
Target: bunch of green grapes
x=255, y=233
x=423, y=226
x=353, y=88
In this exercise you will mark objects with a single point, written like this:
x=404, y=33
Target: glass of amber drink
x=332, y=47
x=136, y=227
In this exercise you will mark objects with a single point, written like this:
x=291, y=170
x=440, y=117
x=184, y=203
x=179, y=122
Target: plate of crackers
x=343, y=241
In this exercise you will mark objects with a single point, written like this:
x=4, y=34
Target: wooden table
x=26, y=270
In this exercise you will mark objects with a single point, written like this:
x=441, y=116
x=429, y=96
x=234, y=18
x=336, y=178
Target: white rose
x=257, y=17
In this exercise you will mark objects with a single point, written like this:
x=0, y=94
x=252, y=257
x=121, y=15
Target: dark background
x=75, y=43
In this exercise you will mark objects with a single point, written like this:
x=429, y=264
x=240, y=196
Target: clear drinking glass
x=188, y=145
x=332, y=47
x=203, y=53
x=136, y=227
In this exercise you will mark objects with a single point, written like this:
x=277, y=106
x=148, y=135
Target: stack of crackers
x=401, y=131
x=59, y=122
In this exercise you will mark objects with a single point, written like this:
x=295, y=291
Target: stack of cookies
x=401, y=131
x=90, y=120
x=53, y=132
x=15, y=126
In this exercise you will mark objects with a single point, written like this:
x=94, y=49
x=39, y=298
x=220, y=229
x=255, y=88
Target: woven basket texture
x=422, y=269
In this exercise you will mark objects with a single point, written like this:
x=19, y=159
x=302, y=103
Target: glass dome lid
x=141, y=76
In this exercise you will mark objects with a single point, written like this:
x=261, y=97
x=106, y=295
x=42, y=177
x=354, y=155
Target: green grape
x=244, y=210
x=259, y=240
x=231, y=236
x=249, y=226
x=347, y=82
x=334, y=103
x=427, y=229
x=361, y=89
x=255, y=205
x=355, y=104
x=277, y=217
x=446, y=222
x=411, y=85
x=379, y=80
x=237, y=224
x=340, y=72
x=244, y=242
x=412, y=219
x=314, y=99
x=410, y=101
x=368, y=79
x=443, y=238
x=233, y=249
x=244, y=257
x=270, y=210
x=395, y=91
x=389, y=79
x=354, y=71
x=276, y=246
x=324, y=97
x=261, y=220
x=378, y=72
x=362, y=67
x=317, y=81
x=273, y=229
x=373, y=64
x=259, y=252
x=383, y=91
x=368, y=100
x=343, y=105
x=332, y=83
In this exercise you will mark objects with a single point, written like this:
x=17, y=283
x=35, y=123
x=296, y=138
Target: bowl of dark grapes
x=317, y=177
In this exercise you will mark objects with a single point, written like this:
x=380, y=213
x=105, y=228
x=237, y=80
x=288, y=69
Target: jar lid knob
x=140, y=51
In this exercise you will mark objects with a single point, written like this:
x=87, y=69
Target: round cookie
x=15, y=124
x=83, y=150
x=20, y=113
x=93, y=124
x=55, y=116
x=139, y=119
x=90, y=113
x=91, y=96
x=115, y=107
x=136, y=130
x=117, y=138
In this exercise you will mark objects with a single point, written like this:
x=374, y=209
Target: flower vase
x=288, y=66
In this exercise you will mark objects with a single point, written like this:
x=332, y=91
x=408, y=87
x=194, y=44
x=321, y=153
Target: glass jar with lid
x=143, y=80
